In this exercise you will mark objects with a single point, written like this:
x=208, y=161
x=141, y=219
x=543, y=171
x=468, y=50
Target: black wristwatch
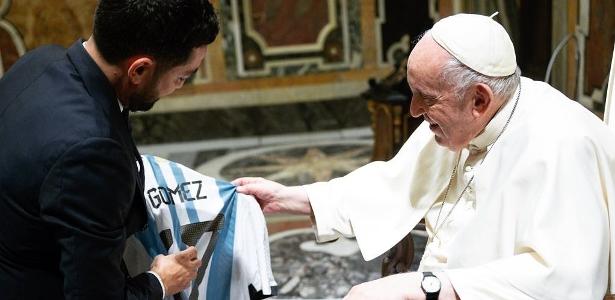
x=431, y=286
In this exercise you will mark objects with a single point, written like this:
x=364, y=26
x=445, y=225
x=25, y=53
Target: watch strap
x=431, y=295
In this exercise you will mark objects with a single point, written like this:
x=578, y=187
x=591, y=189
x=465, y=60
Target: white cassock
x=535, y=222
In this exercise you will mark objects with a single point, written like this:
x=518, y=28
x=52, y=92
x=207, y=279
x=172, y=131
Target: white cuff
x=161, y=283
x=323, y=213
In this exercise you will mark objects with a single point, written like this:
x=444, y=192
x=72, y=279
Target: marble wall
x=282, y=38
x=27, y=24
x=269, y=52
x=289, y=51
x=284, y=65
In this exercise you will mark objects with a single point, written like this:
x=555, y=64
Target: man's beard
x=139, y=103
x=145, y=99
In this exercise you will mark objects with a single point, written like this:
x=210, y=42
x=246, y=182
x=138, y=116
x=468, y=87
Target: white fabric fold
x=544, y=201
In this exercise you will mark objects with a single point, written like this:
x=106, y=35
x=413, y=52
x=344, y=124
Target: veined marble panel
x=280, y=27
x=290, y=37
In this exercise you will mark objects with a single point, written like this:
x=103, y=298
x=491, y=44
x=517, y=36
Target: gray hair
x=460, y=78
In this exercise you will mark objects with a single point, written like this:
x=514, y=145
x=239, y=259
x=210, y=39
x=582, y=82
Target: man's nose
x=416, y=108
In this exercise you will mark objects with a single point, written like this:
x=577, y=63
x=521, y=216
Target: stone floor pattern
x=302, y=268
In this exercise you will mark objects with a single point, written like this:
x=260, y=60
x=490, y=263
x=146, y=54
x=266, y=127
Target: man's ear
x=482, y=99
x=140, y=69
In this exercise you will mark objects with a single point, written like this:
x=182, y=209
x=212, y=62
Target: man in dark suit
x=71, y=179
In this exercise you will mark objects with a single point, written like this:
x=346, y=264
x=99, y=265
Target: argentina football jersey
x=186, y=208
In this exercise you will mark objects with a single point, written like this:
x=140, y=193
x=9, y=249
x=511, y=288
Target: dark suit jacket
x=70, y=193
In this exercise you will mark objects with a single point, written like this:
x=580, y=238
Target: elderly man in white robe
x=515, y=181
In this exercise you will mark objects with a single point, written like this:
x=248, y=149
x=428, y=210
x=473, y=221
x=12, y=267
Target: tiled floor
x=193, y=154
x=302, y=268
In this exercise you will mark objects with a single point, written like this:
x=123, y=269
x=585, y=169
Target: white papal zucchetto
x=478, y=42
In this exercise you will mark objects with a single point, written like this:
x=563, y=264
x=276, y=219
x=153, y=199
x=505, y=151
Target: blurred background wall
x=284, y=66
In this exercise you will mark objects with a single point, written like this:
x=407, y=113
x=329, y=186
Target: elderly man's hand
x=400, y=286
x=274, y=197
x=176, y=270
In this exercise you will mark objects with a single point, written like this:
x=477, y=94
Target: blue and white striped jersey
x=228, y=229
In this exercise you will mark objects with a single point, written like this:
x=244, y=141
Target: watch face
x=431, y=284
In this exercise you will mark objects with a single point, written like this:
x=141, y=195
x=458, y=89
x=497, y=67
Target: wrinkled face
x=450, y=118
x=166, y=83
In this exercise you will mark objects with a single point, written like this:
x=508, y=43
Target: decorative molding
x=203, y=75
x=318, y=45
x=394, y=31
x=401, y=47
x=379, y=22
x=269, y=96
x=252, y=56
x=12, y=31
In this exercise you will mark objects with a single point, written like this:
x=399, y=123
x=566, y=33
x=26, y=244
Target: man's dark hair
x=167, y=30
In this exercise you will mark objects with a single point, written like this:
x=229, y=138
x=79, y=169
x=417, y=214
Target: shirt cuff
x=159, y=280
x=322, y=214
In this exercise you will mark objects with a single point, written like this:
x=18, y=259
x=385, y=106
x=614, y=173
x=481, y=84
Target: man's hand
x=274, y=197
x=176, y=270
x=399, y=286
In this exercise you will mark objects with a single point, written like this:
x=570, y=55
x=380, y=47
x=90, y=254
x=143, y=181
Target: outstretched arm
x=274, y=197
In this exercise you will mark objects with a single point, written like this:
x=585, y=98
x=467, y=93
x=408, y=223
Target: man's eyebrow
x=429, y=96
x=423, y=94
x=191, y=73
